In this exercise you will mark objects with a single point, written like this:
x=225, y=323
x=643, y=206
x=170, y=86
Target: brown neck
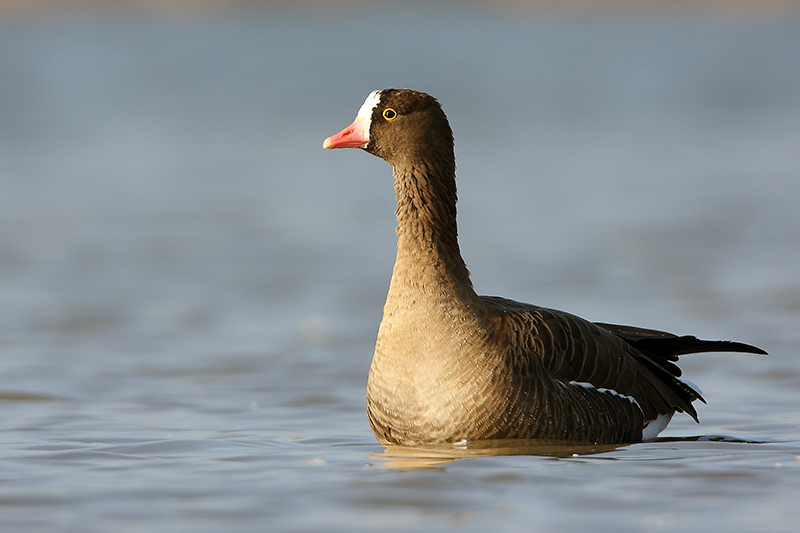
x=426, y=220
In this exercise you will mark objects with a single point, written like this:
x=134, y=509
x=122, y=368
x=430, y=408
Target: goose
x=451, y=366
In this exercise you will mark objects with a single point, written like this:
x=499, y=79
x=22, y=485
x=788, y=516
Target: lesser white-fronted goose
x=450, y=365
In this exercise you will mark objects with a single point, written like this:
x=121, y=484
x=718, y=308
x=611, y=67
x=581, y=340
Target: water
x=191, y=286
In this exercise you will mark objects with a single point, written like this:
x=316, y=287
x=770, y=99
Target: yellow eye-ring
x=389, y=113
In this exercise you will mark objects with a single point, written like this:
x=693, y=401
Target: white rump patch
x=654, y=427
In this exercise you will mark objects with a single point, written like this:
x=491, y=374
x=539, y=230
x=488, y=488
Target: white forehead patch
x=364, y=116
x=365, y=113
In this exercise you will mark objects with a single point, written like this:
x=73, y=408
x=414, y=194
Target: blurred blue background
x=191, y=286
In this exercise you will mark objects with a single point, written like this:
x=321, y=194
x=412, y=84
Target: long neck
x=426, y=223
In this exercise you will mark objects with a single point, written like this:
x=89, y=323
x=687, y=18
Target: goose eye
x=389, y=113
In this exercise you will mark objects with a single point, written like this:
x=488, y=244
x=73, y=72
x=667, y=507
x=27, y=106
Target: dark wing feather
x=573, y=349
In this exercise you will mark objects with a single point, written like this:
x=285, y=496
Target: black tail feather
x=669, y=346
x=674, y=347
